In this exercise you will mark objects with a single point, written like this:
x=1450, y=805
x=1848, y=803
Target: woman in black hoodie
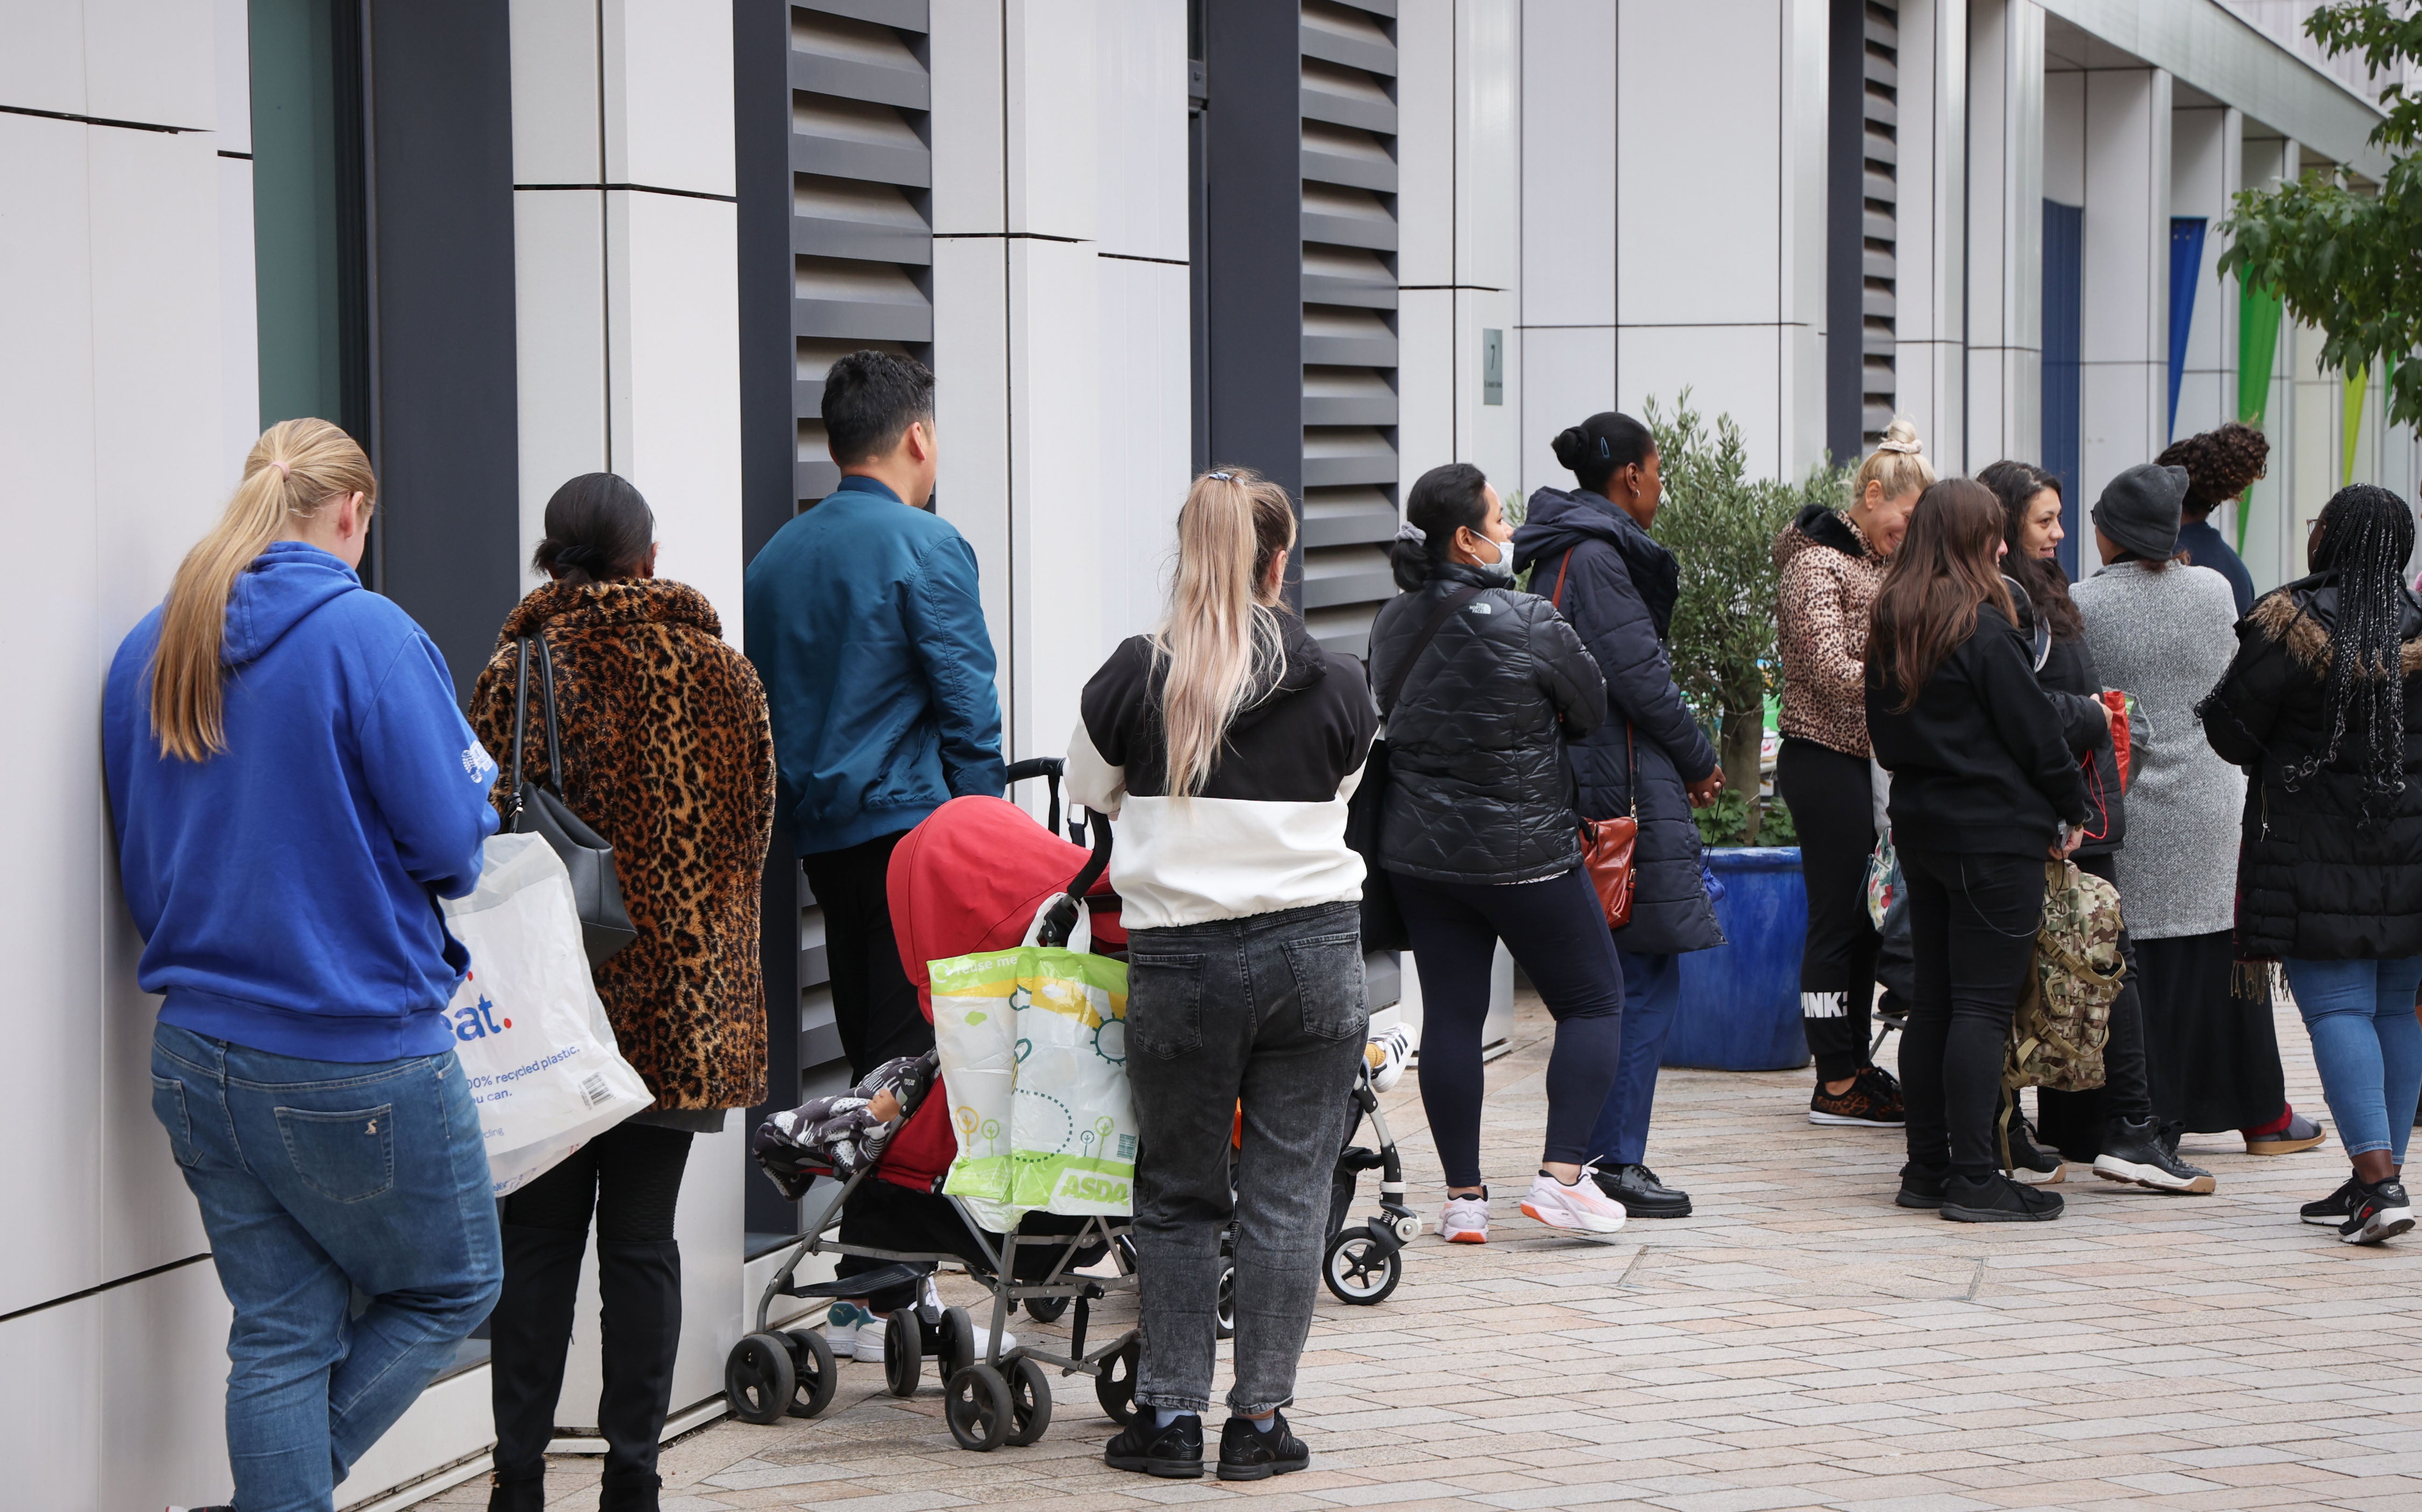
x=1984, y=789
x=1589, y=553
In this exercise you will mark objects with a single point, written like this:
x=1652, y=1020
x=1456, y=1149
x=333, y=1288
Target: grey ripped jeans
x=1266, y=1011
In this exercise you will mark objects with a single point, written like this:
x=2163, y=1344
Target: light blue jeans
x=317, y=1179
x=2367, y=1046
x=1652, y=990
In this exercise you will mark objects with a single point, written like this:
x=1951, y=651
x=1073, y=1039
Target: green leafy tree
x=1720, y=526
x=2348, y=261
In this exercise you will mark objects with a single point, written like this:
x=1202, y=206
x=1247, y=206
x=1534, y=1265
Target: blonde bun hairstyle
x=1898, y=463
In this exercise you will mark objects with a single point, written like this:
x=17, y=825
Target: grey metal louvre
x=1350, y=462
x=861, y=225
x=1880, y=150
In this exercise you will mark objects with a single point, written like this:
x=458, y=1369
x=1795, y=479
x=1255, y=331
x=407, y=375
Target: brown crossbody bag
x=1607, y=844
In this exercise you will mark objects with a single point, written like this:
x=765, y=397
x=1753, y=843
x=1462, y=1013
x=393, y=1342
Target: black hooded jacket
x=2314, y=880
x=2067, y=674
x=1617, y=592
x=1479, y=788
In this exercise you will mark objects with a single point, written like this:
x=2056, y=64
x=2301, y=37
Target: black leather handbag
x=535, y=808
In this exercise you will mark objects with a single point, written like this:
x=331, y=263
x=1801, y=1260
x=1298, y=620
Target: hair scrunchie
x=1414, y=533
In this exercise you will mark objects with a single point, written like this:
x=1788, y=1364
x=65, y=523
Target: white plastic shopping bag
x=529, y=1026
x=1033, y=1050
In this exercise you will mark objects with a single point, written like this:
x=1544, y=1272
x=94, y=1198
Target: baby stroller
x=969, y=878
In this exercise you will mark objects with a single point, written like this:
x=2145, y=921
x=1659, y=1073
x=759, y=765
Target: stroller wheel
x=812, y=1373
x=977, y=1406
x=904, y=1352
x=1227, y=1313
x=955, y=1341
x=758, y=1379
x=1114, y=1387
x=1046, y=1309
x=1029, y=1398
x=1361, y=1268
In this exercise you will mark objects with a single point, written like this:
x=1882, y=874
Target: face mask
x=1502, y=567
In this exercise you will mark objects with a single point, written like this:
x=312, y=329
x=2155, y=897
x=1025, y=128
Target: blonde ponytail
x=1222, y=627
x=1898, y=463
x=292, y=471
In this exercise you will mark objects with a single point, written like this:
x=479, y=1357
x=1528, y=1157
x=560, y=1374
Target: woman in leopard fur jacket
x=1832, y=562
x=668, y=754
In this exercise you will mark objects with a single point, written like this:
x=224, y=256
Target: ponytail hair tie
x=1905, y=449
x=283, y=471
x=1414, y=533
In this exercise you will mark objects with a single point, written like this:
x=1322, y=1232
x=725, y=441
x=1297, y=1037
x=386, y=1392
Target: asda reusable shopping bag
x=528, y=1026
x=1033, y=1050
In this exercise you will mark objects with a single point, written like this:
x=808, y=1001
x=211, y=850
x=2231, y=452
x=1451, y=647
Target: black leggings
x=1558, y=932
x=1973, y=922
x=1830, y=796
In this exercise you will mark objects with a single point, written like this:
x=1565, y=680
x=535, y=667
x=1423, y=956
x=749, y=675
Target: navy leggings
x=1558, y=933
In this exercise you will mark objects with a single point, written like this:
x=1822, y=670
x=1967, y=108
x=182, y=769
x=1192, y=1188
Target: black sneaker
x=2031, y=1162
x=1641, y=1193
x=2380, y=1211
x=1921, y=1187
x=2336, y=1208
x=1247, y=1453
x=1863, y=1104
x=1174, y=1452
x=2133, y=1151
x=1997, y=1199
x=1882, y=1083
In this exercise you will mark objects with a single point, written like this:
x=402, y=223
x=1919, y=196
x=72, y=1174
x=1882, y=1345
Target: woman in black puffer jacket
x=1480, y=686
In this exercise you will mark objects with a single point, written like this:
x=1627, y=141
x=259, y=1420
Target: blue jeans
x=1652, y=990
x=2367, y=1046
x=316, y=1179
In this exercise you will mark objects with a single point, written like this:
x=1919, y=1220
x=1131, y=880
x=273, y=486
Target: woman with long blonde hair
x=294, y=791
x=1223, y=746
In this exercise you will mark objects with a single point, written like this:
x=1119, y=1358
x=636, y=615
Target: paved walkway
x=1799, y=1343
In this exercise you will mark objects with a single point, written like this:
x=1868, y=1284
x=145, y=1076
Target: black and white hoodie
x=1268, y=831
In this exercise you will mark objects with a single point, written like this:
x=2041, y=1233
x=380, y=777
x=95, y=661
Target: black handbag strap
x=1438, y=617
x=521, y=716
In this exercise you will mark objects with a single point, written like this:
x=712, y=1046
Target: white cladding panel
x=1140, y=129
x=1700, y=226
x=556, y=135
x=559, y=345
x=1568, y=176
x=668, y=79
x=1146, y=440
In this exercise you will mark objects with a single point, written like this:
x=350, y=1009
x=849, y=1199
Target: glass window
x=308, y=216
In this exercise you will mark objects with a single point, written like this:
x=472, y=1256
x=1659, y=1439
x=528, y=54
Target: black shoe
x=1641, y=1193
x=2030, y=1163
x=524, y=1495
x=2381, y=1211
x=1247, y=1453
x=1921, y=1187
x=1882, y=1082
x=1997, y=1199
x=1863, y=1104
x=1174, y=1452
x=2336, y=1208
x=2133, y=1151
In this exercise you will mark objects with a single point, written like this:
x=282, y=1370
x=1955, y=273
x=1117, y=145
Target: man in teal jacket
x=866, y=629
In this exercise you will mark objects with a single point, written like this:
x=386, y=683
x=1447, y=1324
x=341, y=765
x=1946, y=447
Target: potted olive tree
x=1742, y=1000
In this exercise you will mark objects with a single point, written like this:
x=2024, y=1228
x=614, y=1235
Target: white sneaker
x=844, y=1323
x=868, y=1342
x=1465, y=1219
x=1389, y=1055
x=1580, y=1206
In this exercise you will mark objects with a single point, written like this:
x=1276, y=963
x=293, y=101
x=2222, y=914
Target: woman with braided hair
x=2321, y=709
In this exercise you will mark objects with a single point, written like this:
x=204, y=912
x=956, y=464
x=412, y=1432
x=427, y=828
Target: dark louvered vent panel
x=1349, y=315
x=861, y=176
x=1882, y=189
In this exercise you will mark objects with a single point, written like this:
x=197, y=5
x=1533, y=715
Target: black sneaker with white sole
x=2380, y=1211
x=2334, y=1209
x=2031, y=1162
x=2133, y=1153
x=1997, y=1199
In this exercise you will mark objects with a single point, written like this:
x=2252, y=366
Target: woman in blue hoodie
x=294, y=791
x=1590, y=553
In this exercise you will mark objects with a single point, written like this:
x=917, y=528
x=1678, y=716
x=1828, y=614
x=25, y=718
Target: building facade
x=1338, y=241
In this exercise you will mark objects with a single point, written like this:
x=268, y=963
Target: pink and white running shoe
x=1465, y=1219
x=1580, y=1206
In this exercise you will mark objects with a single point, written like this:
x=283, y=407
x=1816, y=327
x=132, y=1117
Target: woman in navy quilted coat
x=1589, y=552
x=1482, y=686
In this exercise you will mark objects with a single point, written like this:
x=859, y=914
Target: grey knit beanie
x=2139, y=509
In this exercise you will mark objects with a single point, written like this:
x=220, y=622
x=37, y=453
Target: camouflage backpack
x=2057, y=1035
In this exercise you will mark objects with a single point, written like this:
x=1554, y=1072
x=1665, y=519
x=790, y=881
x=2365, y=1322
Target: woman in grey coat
x=2164, y=632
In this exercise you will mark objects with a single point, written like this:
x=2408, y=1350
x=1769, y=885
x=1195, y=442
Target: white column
x=1931, y=311
x=2005, y=230
x=628, y=349
x=1569, y=178
x=2123, y=350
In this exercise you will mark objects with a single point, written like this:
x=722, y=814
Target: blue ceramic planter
x=1740, y=1001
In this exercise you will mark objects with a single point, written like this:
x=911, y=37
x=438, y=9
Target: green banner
x=2257, y=349
x=2351, y=423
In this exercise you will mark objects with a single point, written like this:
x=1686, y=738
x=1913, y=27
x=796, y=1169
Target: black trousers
x=2073, y=1122
x=875, y=1006
x=1973, y=923
x=1833, y=807
x=630, y=1178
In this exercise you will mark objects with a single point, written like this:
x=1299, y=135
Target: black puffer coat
x=1479, y=786
x=1618, y=593
x=2314, y=880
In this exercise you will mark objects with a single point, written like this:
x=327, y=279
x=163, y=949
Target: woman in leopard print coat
x=668, y=754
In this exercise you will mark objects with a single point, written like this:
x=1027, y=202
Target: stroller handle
x=1047, y=767
x=1061, y=919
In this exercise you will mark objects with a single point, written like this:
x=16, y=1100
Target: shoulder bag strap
x=1557, y=598
x=1437, y=619
x=546, y=684
x=1631, y=772
x=521, y=723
